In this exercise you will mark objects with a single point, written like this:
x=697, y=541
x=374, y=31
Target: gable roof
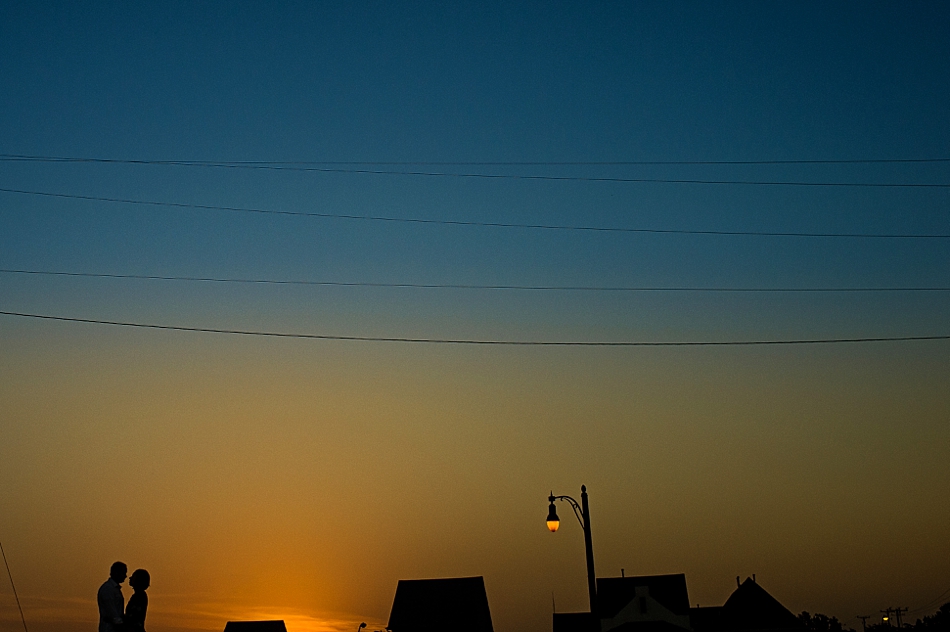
x=428, y=605
x=613, y=593
x=750, y=607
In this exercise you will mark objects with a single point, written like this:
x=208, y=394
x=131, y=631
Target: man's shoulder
x=107, y=585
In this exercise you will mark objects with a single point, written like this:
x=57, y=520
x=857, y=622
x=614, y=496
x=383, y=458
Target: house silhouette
x=429, y=605
x=660, y=603
x=255, y=626
x=652, y=603
x=749, y=609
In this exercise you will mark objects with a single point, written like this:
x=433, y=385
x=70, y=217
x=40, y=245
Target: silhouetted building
x=749, y=609
x=255, y=626
x=429, y=605
x=660, y=603
x=574, y=622
x=652, y=603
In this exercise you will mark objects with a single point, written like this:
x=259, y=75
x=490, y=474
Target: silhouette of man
x=111, y=601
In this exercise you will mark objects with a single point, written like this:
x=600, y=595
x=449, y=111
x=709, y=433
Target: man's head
x=119, y=572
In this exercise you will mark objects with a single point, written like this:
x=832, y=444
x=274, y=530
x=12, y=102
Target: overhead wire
x=469, y=163
x=932, y=603
x=468, y=286
x=481, y=342
x=555, y=178
x=13, y=585
x=311, y=167
x=484, y=224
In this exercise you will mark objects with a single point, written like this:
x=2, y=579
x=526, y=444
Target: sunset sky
x=300, y=479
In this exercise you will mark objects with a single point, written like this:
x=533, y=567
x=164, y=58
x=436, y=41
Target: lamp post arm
x=578, y=512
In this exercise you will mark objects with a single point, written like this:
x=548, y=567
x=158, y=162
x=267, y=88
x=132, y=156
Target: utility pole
x=864, y=622
x=898, y=610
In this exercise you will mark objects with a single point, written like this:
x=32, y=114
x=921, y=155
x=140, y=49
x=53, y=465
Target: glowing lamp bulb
x=553, y=521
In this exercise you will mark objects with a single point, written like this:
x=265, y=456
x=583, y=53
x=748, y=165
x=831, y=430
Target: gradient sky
x=301, y=479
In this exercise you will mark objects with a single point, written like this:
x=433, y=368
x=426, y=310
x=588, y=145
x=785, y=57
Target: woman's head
x=140, y=579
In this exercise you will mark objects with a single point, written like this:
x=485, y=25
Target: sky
x=293, y=478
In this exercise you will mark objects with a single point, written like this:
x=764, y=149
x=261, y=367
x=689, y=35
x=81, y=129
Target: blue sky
x=471, y=82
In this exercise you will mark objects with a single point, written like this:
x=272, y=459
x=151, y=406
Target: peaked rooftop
x=613, y=593
x=750, y=607
x=428, y=605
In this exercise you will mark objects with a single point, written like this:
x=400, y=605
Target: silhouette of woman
x=138, y=602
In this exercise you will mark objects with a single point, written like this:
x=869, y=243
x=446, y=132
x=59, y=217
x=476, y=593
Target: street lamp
x=582, y=511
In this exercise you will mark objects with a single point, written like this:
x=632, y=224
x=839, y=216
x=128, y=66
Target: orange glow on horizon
x=252, y=479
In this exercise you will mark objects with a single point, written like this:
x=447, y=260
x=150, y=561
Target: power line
x=15, y=595
x=446, y=222
x=445, y=163
x=932, y=603
x=481, y=342
x=503, y=176
x=466, y=286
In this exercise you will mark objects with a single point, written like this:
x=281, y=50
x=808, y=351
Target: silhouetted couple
x=114, y=615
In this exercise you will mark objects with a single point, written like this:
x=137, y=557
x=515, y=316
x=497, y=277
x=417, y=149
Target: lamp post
x=582, y=511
